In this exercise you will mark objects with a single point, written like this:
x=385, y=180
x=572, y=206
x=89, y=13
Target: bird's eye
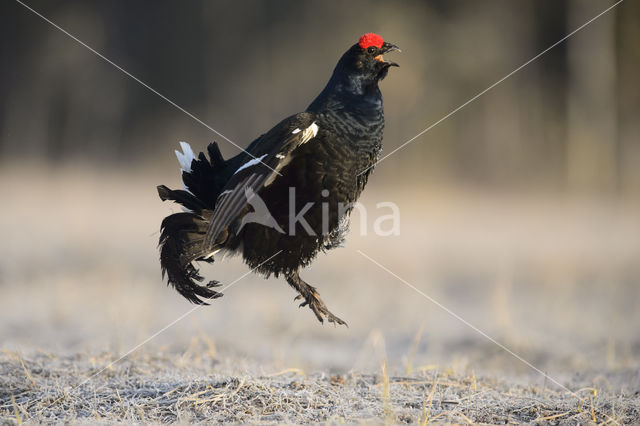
x=372, y=49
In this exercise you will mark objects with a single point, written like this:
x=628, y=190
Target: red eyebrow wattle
x=371, y=39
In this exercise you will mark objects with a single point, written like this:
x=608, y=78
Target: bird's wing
x=271, y=153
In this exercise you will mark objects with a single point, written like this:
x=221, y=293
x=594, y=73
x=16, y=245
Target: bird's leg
x=312, y=298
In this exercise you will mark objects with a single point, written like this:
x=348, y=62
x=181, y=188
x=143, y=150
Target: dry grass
x=158, y=389
x=553, y=278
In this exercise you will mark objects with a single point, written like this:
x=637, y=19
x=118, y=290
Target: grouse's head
x=364, y=59
x=357, y=72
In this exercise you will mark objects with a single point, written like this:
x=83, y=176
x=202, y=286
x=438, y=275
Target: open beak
x=386, y=48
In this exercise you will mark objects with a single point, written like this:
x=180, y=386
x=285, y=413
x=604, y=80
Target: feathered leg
x=312, y=298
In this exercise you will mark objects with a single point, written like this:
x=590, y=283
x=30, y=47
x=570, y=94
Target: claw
x=312, y=299
x=335, y=320
x=319, y=309
x=318, y=315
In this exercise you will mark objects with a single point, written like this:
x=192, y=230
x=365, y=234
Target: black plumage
x=323, y=156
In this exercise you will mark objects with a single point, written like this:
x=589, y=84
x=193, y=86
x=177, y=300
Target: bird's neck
x=350, y=93
x=353, y=115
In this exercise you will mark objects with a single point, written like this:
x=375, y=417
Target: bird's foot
x=312, y=298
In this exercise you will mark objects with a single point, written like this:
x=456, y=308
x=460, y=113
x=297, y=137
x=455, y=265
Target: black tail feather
x=182, y=234
x=181, y=240
x=215, y=155
x=207, y=178
x=181, y=197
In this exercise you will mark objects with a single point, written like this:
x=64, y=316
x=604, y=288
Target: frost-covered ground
x=555, y=279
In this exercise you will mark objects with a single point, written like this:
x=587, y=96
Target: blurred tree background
x=567, y=121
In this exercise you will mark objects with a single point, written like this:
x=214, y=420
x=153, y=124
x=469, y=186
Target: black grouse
x=289, y=195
